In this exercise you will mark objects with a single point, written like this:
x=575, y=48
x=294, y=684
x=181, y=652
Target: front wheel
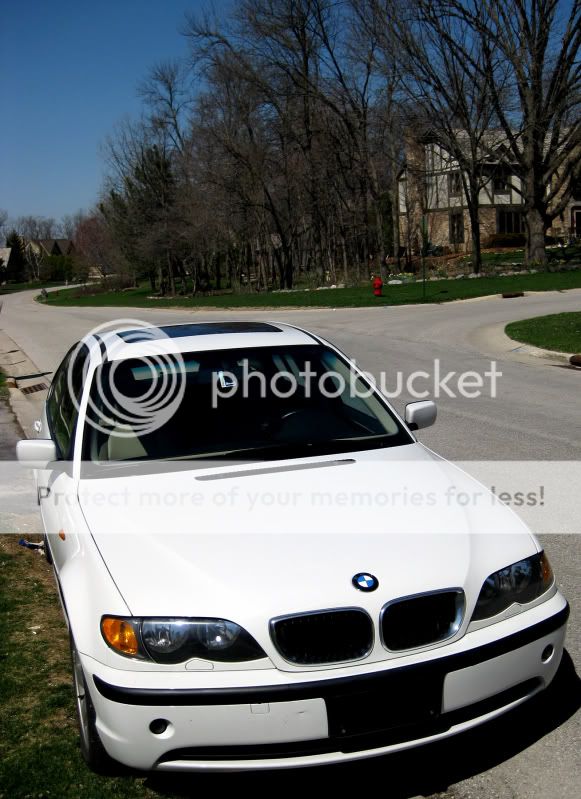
x=92, y=749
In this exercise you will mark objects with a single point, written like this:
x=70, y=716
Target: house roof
x=64, y=245
x=53, y=246
x=46, y=244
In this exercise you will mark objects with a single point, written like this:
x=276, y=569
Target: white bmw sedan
x=261, y=567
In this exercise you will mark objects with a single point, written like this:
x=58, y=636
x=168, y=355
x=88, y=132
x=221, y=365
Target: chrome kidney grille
x=324, y=636
x=420, y=620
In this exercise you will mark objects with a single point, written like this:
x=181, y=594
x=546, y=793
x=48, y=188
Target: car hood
x=256, y=541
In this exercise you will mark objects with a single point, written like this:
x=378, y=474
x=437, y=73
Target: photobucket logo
x=422, y=384
x=122, y=407
x=419, y=384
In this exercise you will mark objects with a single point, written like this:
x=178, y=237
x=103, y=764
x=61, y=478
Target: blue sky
x=68, y=72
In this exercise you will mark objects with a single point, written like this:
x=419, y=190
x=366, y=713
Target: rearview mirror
x=420, y=414
x=36, y=452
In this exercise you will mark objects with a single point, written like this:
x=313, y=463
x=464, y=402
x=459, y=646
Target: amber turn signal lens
x=120, y=635
x=547, y=571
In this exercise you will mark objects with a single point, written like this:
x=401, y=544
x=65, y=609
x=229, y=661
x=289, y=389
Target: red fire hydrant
x=377, y=286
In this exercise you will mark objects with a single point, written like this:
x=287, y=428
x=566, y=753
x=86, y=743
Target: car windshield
x=244, y=404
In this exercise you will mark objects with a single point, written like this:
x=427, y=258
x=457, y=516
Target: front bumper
x=309, y=720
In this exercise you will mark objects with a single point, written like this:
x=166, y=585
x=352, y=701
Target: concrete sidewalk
x=28, y=386
x=18, y=412
x=18, y=507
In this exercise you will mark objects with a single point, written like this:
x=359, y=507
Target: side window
x=63, y=400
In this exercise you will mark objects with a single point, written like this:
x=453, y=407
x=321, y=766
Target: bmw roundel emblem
x=365, y=581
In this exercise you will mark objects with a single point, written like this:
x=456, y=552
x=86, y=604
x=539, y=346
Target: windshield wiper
x=302, y=449
x=265, y=452
x=375, y=437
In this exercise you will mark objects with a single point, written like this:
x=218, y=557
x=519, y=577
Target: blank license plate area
x=398, y=701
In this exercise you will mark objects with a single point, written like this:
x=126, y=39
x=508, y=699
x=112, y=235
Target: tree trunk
x=218, y=272
x=396, y=234
x=278, y=258
x=396, y=238
x=380, y=255
x=475, y=235
x=288, y=269
x=535, y=253
x=379, y=231
x=170, y=273
x=344, y=257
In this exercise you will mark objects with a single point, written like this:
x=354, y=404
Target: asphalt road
x=536, y=415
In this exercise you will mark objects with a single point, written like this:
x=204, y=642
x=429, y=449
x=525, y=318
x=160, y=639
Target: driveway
x=536, y=415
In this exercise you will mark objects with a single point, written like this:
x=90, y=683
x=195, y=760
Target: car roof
x=144, y=341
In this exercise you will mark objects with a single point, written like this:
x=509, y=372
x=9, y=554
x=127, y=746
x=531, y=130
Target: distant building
x=432, y=202
x=53, y=246
x=5, y=253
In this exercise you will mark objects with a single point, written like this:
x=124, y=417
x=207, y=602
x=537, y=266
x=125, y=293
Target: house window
x=501, y=184
x=455, y=184
x=510, y=221
x=457, y=228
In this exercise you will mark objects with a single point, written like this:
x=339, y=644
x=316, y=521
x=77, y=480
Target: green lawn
x=560, y=332
x=39, y=751
x=507, y=257
x=502, y=258
x=437, y=291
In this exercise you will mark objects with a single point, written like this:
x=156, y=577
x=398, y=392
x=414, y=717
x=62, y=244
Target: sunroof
x=197, y=329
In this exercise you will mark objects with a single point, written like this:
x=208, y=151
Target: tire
x=92, y=749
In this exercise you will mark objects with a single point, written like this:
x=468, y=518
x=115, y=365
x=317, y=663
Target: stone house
x=433, y=208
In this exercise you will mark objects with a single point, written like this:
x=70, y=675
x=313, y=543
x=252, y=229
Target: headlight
x=167, y=638
x=177, y=640
x=522, y=582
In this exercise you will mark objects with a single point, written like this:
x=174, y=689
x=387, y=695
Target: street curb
x=493, y=341
x=537, y=352
x=17, y=365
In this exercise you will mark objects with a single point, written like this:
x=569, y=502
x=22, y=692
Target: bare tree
x=33, y=228
x=96, y=248
x=168, y=97
x=271, y=155
x=310, y=69
x=452, y=99
x=539, y=41
x=34, y=256
x=3, y=221
x=68, y=224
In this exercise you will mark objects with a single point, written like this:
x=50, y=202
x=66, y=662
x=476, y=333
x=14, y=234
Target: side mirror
x=36, y=452
x=420, y=414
